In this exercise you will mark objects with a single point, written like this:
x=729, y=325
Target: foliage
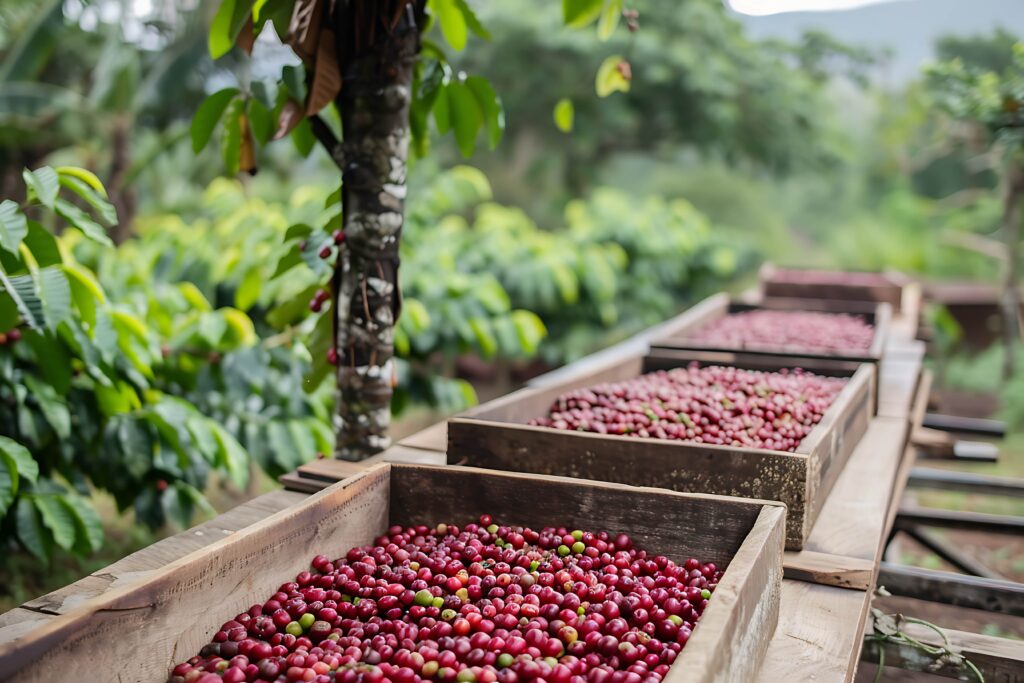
x=83, y=378
x=617, y=265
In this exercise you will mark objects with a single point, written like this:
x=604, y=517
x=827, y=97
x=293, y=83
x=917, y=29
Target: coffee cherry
x=798, y=330
x=518, y=604
x=332, y=356
x=326, y=252
x=715, y=405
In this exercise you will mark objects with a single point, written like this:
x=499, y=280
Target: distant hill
x=908, y=28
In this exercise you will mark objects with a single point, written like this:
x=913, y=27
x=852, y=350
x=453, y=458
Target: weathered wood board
x=137, y=632
x=680, y=335
x=495, y=436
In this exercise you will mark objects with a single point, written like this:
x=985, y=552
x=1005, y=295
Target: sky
x=766, y=7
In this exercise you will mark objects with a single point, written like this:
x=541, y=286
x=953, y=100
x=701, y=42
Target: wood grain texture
x=745, y=608
x=854, y=517
x=819, y=635
x=495, y=436
x=137, y=565
x=135, y=632
x=829, y=570
x=433, y=438
x=679, y=525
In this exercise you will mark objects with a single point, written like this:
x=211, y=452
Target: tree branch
x=329, y=140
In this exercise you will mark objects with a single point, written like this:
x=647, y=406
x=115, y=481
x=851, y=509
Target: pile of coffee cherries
x=716, y=405
x=804, y=330
x=483, y=603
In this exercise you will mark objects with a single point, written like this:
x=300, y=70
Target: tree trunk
x=122, y=195
x=380, y=43
x=1011, y=286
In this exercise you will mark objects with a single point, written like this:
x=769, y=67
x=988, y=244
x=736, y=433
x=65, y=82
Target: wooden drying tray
x=496, y=435
x=139, y=631
x=680, y=334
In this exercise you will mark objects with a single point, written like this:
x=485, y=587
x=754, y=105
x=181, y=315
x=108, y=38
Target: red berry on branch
x=332, y=356
x=315, y=304
x=339, y=236
x=326, y=252
x=14, y=335
x=161, y=485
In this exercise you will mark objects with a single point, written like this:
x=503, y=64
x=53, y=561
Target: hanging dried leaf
x=304, y=30
x=291, y=116
x=247, y=150
x=326, y=77
x=246, y=37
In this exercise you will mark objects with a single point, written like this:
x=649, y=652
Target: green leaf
x=13, y=226
x=232, y=456
x=289, y=260
x=55, y=293
x=22, y=291
x=86, y=176
x=484, y=335
x=9, y=317
x=227, y=24
x=294, y=78
x=530, y=330
x=56, y=369
x=490, y=107
x=89, y=538
x=53, y=407
x=452, y=21
x=207, y=116
x=58, y=519
x=43, y=245
x=261, y=121
x=8, y=484
x=103, y=208
x=472, y=20
x=231, y=144
x=303, y=137
x=248, y=291
x=442, y=111
x=85, y=292
x=30, y=529
x=319, y=341
x=609, y=78
x=579, y=13
x=81, y=220
x=609, y=19
x=299, y=231
x=564, y=114
x=43, y=184
x=466, y=116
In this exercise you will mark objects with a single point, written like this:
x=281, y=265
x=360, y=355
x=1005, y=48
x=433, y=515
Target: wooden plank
x=968, y=482
x=433, y=438
x=745, y=601
x=957, y=519
x=496, y=436
x=899, y=373
x=15, y=623
x=853, y=519
x=991, y=595
x=137, y=565
x=831, y=570
x=819, y=635
x=998, y=659
x=136, y=632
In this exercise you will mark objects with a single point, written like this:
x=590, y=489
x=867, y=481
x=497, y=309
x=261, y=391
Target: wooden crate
x=795, y=283
x=495, y=435
x=138, y=632
x=721, y=305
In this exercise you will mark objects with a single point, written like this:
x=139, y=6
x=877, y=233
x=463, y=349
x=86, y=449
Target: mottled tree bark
x=380, y=44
